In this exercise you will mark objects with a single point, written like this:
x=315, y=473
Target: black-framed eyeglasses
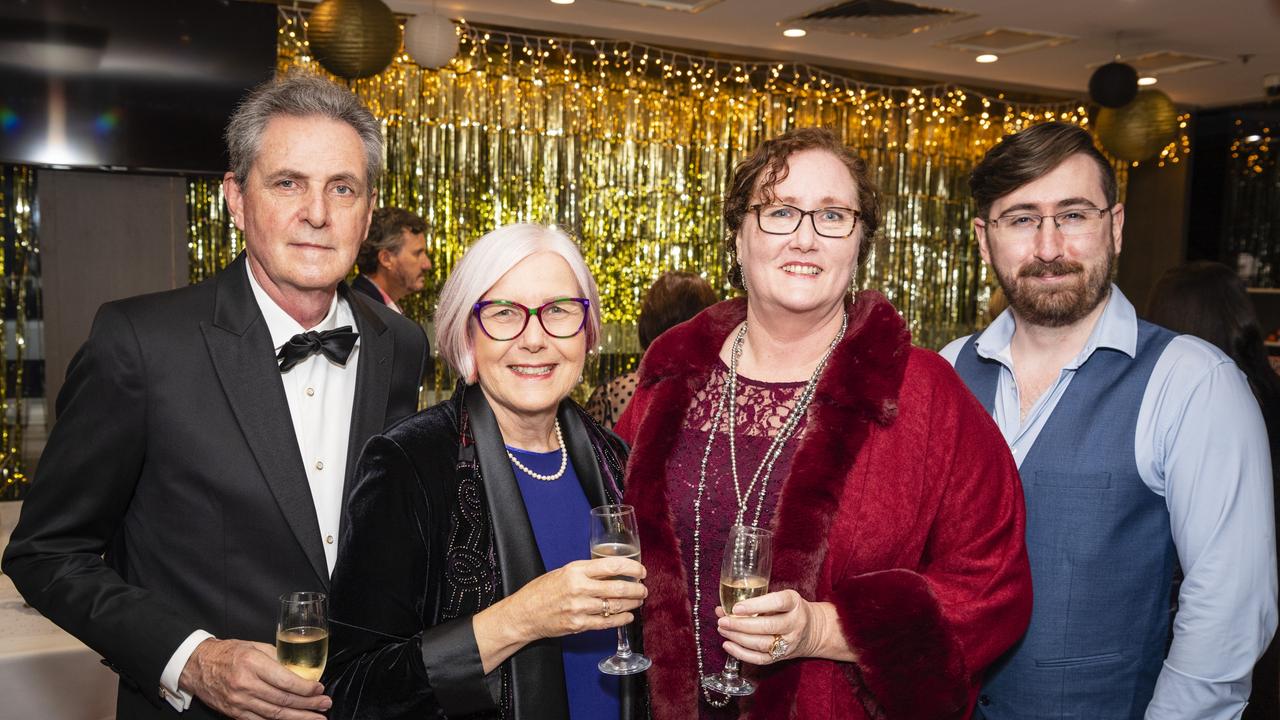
x=780, y=219
x=504, y=320
x=1079, y=221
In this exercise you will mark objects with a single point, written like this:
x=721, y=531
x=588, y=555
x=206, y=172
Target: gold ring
x=780, y=648
x=605, y=610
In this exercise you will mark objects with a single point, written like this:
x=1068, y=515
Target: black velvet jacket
x=435, y=531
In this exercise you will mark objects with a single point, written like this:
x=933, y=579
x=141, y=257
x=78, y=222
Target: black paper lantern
x=1114, y=85
x=353, y=38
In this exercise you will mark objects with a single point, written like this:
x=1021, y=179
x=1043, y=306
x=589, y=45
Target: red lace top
x=762, y=409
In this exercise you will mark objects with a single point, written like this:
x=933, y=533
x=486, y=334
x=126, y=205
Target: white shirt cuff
x=180, y=699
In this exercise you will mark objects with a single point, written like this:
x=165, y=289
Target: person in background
x=1209, y=300
x=463, y=587
x=1139, y=449
x=899, y=570
x=393, y=258
x=197, y=468
x=673, y=298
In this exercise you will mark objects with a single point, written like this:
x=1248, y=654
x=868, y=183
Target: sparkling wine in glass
x=302, y=633
x=744, y=574
x=614, y=534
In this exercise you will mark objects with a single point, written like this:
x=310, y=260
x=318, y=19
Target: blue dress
x=561, y=519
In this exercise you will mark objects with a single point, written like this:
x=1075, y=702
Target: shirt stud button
x=311, y=391
x=328, y=539
x=319, y=464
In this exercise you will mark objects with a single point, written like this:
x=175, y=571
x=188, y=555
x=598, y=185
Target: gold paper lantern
x=353, y=38
x=1140, y=130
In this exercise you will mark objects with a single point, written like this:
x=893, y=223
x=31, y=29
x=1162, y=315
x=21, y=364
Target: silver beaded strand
x=729, y=392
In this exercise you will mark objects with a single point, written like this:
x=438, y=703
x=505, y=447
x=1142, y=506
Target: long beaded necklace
x=564, y=460
x=761, y=476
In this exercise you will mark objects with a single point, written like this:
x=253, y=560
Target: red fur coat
x=902, y=507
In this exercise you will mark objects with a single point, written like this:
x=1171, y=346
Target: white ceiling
x=1223, y=29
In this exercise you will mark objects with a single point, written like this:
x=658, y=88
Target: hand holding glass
x=744, y=574
x=302, y=633
x=614, y=534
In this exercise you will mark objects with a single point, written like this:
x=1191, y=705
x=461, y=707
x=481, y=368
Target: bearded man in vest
x=1143, y=456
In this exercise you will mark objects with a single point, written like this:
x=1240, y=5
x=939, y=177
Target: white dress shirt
x=321, y=394
x=1200, y=443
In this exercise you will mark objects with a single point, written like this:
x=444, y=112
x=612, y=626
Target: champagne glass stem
x=624, y=643
x=731, y=668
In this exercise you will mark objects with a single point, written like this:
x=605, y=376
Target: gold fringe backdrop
x=629, y=147
x=19, y=267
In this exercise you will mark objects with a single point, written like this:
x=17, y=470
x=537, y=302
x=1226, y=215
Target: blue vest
x=1102, y=556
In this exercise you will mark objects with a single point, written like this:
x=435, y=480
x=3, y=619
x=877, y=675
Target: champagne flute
x=744, y=574
x=302, y=633
x=614, y=534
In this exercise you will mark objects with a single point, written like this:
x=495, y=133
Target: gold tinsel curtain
x=19, y=267
x=630, y=147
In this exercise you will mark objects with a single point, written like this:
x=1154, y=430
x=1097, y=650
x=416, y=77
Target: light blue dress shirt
x=1201, y=445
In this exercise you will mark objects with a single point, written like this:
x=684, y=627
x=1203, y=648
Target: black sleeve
x=387, y=660
x=78, y=502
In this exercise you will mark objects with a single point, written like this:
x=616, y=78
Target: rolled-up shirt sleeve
x=1210, y=459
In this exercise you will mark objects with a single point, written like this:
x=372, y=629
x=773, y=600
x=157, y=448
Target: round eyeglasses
x=831, y=222
x=504, y=320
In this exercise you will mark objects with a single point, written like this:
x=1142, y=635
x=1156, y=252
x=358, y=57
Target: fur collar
x=858, y=389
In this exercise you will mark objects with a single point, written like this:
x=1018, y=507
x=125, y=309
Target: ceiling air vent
x=882, y=19
x=689, y=6
x=1005, y=41
x=1166, y=62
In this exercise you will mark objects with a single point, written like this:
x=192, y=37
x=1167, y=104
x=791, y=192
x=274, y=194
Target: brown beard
x=1060, y=306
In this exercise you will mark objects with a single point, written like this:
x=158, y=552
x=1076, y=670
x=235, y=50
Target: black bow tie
x=334, y=344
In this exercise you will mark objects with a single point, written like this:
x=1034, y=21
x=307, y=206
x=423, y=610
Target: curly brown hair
x=766, y=166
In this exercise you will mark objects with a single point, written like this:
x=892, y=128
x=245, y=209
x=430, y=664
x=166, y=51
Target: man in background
x=393, y=258
x=197, y=470
x=1140, y=451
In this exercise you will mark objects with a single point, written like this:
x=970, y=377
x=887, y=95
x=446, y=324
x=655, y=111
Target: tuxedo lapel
x=241, y=350
x=537, y=671
x=373, y=381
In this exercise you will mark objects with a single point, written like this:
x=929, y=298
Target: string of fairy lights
x=1252, y=194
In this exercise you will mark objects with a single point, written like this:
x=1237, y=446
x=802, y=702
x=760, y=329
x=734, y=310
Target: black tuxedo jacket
x=363, y=284
x=175, y=456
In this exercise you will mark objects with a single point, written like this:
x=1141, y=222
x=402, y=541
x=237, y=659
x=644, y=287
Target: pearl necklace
x=761, y=476
x=564, y=460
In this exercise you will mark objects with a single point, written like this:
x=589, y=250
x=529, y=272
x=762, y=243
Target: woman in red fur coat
x=899, y=569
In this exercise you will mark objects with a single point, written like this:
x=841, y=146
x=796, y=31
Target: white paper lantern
x=430, y=40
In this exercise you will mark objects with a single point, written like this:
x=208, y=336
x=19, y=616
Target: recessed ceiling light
x=1147, y=80
x=561, y=2
x=987, y=58
x=795, y=32
x=1252, y=138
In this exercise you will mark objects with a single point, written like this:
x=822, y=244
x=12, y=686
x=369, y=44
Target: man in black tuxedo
x=197, y=468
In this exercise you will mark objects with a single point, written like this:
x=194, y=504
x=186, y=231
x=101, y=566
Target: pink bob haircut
x=480, y=268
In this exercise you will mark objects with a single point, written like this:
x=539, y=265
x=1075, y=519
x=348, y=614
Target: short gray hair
x=300, y=94
x=482, y=266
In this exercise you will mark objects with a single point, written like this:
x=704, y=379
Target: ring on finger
x=780, y=647
x=605, y=609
